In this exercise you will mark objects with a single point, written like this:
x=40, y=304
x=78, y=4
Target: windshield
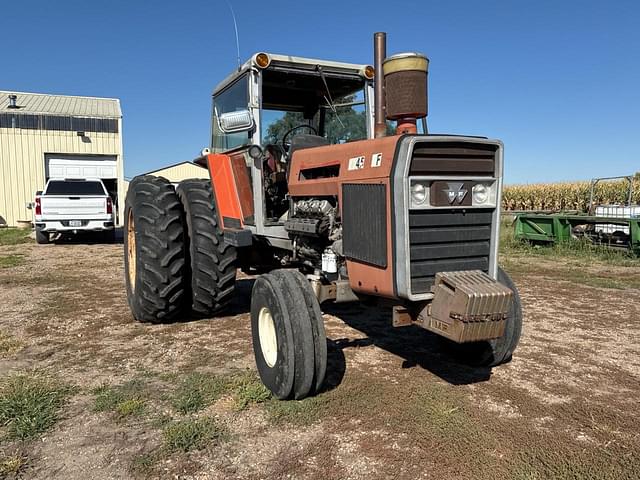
x=75, y=187
x=233, y=99
x=344, y=124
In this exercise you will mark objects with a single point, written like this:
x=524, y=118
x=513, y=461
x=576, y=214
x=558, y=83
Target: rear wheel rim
x=131, y=250
x=268, y=338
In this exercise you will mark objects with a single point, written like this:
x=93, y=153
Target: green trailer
x=558, y=227
x=614, y=226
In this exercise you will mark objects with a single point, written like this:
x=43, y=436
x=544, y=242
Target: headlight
x=480, y=193
x=484, y=194
x=419, y=193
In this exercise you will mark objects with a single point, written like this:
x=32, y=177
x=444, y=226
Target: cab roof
x=288, y=62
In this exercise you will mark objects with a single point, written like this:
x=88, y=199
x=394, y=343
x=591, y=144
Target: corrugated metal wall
x=22, y=164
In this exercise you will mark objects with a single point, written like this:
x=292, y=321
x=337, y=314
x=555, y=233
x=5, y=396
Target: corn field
x=567, y=196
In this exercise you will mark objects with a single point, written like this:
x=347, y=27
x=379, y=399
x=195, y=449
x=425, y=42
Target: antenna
x=235, y=27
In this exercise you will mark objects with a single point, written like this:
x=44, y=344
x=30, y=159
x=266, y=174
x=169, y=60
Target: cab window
x=232, y=99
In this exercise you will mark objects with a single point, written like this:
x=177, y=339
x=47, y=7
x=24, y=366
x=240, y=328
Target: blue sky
x=557, y=81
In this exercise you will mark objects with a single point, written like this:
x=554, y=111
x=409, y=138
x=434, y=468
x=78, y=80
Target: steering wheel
x=291, y=130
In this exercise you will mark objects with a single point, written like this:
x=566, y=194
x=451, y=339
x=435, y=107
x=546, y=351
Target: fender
x=231, y=188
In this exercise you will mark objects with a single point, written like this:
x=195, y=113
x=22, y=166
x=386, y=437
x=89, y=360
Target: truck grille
x=447, y=240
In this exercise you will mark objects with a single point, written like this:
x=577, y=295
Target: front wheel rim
x=268, y=337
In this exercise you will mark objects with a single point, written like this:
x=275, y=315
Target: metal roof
x=39, y=103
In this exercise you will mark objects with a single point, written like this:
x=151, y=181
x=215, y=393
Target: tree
x=345, y=125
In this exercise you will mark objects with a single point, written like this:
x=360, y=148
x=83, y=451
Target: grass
x=14, y=236
x=8, y=344
x=197, y=391
x=593, y=464
x=125, y=400
x=30, y=405
x=12, y=260
x=192, y=434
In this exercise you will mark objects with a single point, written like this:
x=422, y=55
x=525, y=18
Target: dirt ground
x=396, y=404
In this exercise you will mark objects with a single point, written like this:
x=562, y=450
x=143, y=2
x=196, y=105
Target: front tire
x=212, y=262
x=154, y=250
x=285, y=334
x=491, y=353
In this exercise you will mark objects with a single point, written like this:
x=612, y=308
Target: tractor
x=325, y=183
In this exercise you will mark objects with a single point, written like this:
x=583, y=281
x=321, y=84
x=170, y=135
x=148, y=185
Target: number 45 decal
x=356, y=163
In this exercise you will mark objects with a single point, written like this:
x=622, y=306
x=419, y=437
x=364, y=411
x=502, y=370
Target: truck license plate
x=75, y=223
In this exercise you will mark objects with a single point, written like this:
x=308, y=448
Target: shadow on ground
x=89, y=238
x=416, y=346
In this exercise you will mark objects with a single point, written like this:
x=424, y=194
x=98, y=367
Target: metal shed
x=180, y=171
x=56, y=136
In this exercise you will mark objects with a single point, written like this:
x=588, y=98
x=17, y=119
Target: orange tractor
x=311, y=187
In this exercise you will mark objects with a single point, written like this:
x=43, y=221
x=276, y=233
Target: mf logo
x=455, y=192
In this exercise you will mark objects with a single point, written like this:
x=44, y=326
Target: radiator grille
x=447, y=240
x=453, y=158
x=364, y=223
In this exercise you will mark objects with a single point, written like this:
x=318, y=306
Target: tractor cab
x=275, y=105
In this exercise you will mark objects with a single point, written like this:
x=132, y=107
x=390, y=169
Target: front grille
x=445, y=241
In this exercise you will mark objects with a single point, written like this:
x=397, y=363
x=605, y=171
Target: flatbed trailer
x=560, y=227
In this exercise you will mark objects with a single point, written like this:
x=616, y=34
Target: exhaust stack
x=379, y=54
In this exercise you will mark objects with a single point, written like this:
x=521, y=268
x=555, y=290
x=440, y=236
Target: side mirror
x=29, y=205
x=233, y=122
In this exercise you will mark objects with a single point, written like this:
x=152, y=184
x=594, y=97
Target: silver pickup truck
x=69, y=206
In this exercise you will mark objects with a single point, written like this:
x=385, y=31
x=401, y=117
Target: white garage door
x=72, y=166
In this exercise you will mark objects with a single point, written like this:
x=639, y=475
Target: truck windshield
x=72, y=187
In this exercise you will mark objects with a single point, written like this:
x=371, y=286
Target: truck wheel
x=495, y=352
x=283, y=335
x=211, y=262
x=154, y=250
x=42, y=238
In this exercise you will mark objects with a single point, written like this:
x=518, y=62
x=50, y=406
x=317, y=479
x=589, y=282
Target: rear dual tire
x=154, y=248
x=176, y=260
x=211, y=262
x=289, y=340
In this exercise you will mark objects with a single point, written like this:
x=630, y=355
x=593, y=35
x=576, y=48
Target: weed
x=8, y=344
x=12, y=465
x=125, y=400
x=193, y=434
x=297, y=412
x=14, y=236
x=248, y=389
x=144, y=463
x=197, y=391
x=29, y=405
x=131, y=407
x=12, y=260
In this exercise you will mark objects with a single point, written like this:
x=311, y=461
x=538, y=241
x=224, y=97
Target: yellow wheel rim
x=131, y=250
